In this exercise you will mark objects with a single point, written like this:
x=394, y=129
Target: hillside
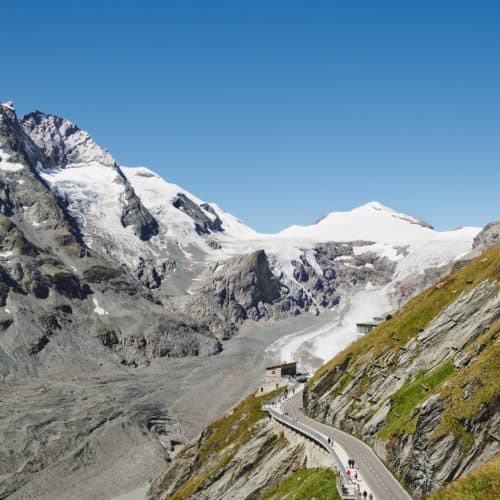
x=424, y=387
x=244, y=455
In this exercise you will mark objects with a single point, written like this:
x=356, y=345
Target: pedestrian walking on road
x=370, y=497
x=356, y=475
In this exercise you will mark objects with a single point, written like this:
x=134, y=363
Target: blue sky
x=280, y=111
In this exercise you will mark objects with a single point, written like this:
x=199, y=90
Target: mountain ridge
x=106, y=271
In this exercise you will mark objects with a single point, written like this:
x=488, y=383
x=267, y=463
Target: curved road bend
x=382, y=483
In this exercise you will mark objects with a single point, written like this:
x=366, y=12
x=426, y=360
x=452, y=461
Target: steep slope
x=423, y=387
x=242, y=455
x=484, y=482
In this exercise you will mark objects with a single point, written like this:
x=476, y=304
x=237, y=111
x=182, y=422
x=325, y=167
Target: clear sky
x=278, y=110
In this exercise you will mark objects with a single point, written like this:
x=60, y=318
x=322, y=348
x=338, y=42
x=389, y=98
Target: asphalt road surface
x=381, y=482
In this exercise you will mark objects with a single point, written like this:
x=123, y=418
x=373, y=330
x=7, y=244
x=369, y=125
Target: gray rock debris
x=342, y=272
x=488, y=237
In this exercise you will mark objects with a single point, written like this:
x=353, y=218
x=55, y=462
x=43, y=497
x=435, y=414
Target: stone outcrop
x=204, y=223
x=238, y=289
x=255, y=467
x=487, y=238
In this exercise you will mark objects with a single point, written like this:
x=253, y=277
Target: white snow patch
x=9, y=166
x=343, y=257
x=95, y=192
x=326, y=341
x=98, y=309
x=158, y=196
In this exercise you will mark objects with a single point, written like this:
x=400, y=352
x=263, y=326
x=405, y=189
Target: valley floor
x=119, y=455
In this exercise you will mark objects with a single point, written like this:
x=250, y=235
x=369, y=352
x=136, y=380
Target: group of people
x=353, y=474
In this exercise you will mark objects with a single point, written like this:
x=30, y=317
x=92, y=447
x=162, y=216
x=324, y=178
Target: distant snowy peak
x=184, y=216
x=371, y=222
x=63, y=142
x=368, y=208
x=376, y=205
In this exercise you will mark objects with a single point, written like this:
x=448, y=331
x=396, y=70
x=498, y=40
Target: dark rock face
x=15, y=142
x=203, y=223
x=136, y=215
x=341, y=271
x=488, y=237
x=153, y=273
x=238, y=289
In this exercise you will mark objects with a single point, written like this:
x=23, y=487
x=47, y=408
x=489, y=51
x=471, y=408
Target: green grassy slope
x=484, y=483
x=466, y=392
x=306, y=484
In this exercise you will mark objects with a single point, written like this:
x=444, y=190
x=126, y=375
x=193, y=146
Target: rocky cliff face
x=240, y=288
x=423, y=387
x=337, y=273
x=243, y=455
x=487, y=238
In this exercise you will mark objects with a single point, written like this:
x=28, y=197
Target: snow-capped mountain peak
x=373, y=222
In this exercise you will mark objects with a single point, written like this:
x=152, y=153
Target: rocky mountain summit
x=54, y=283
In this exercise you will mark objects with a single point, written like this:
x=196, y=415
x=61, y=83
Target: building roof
x=282, y=365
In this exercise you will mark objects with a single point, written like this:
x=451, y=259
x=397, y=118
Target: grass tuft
x=412, y=393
